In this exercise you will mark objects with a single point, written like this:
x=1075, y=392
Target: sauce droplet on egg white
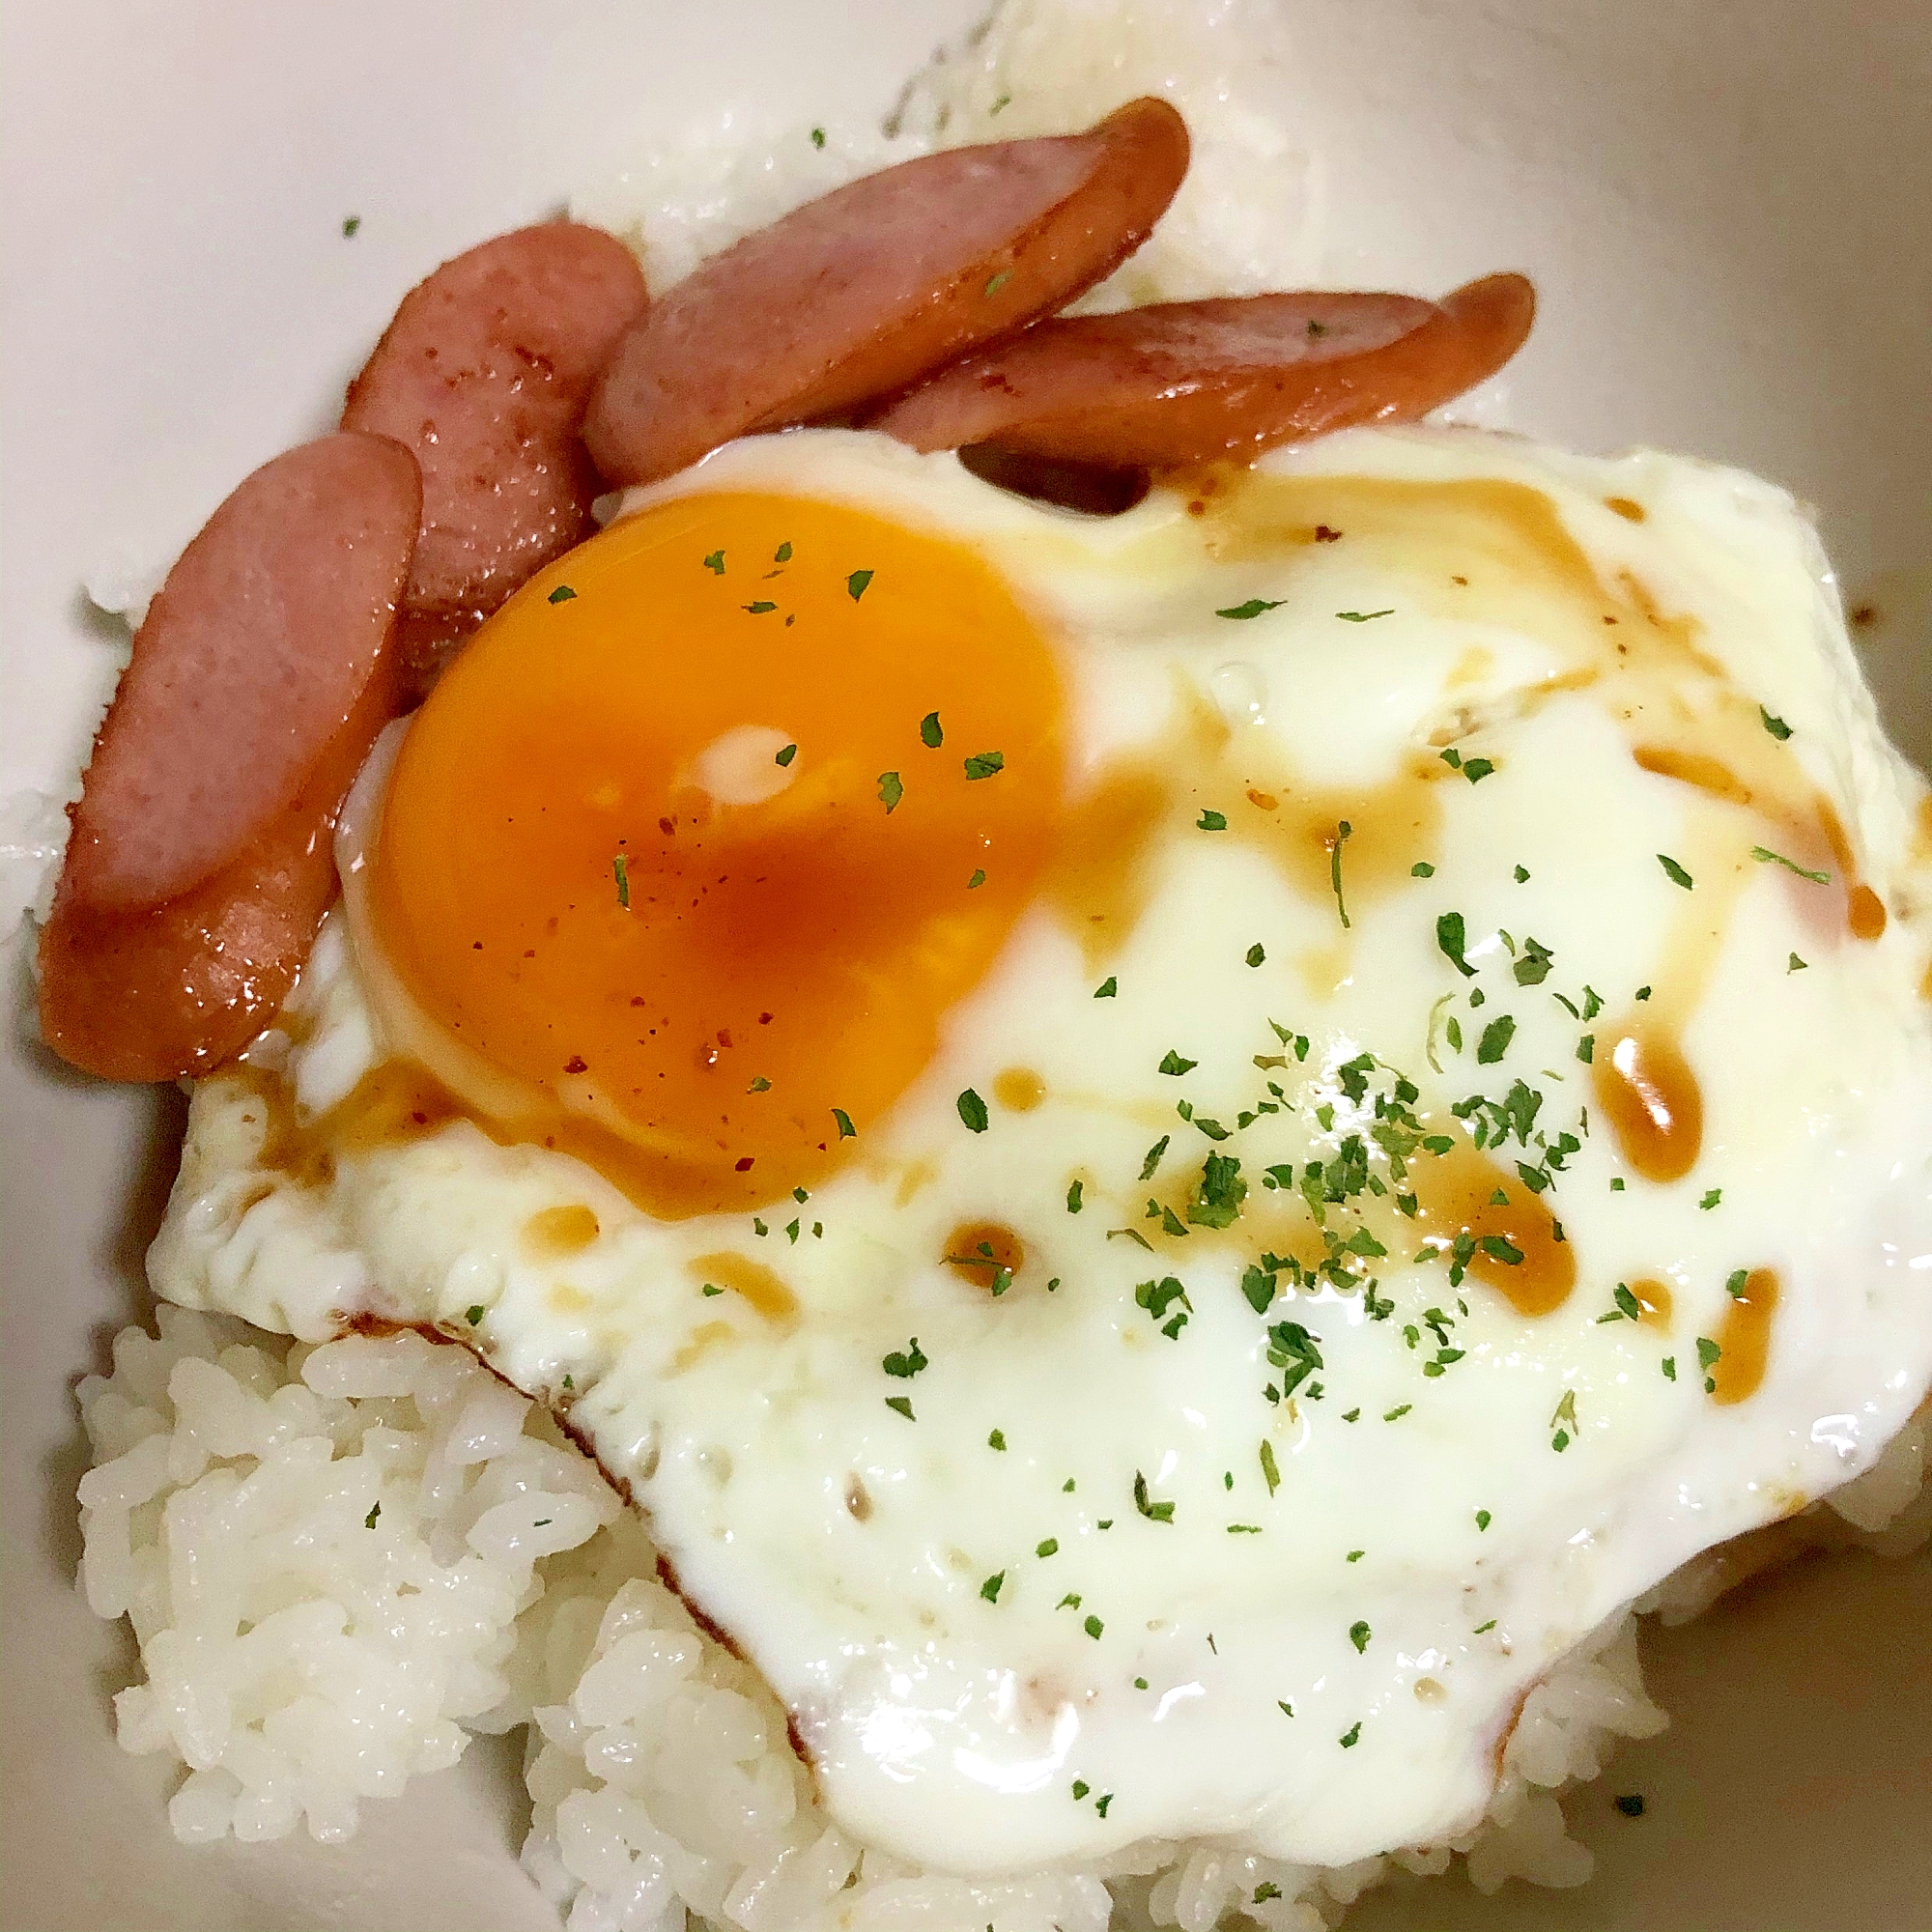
x=560, y=1231
x=1652, y=1100
x=982, y=1251
x=763, y=1288
x=1743, y=1339
x=1019, y=1089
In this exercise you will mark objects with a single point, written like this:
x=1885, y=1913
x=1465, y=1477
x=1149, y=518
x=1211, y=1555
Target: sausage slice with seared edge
x=859, y=294
x=483, y=374
x=199, y=860
x=1186, y=381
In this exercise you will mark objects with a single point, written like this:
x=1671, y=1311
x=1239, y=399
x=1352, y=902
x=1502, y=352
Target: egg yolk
x=708, y=827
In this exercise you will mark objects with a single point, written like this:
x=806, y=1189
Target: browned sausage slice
x=1184, y=382
x=267, y=632
x=483, y=374
x=162, y=991
x=199, y=860
x=858, y=294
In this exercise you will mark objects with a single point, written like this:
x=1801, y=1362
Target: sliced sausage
x=483, y=374
x=254, y=650
x=1186, y=381
x=163, y=991
x=199, y=861
x=858, y=294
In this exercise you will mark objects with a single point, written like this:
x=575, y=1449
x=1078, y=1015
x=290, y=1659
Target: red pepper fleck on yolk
x=806, y=938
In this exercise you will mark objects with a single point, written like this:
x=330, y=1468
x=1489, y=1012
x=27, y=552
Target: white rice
x=342, y=1561
x=323, y=1553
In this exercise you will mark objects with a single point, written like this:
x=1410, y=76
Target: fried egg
x=1170, y=1151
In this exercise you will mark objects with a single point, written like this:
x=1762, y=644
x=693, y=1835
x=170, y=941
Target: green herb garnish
x=1341, y=831
x=1217, y=1199
x=1495, y=1039
x=1451, y=938
x=1153, y=1511
x=1759, y=853
x=906, y=1363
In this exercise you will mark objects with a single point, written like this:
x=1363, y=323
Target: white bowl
x=1726, y=206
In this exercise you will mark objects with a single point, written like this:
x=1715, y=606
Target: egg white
x=850, y=1550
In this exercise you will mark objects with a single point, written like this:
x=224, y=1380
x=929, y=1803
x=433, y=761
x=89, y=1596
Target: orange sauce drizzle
x=1019, y=1089
x=1743, y=1339
x=560, y=1231
x=1652, y=1100
x=1456, y=1194
x=1864, y=913
x=1654, y=1299
x=978, y=1250
x=765, y=1290
x=399, y=1101
x=1104, y=873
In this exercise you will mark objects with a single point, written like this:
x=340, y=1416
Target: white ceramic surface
x=1728, y=208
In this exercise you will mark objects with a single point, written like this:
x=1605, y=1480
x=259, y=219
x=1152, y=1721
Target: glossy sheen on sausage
x=1186, y=381
x=483, y=374
x=199, y=860
x=268, y=629
x=861, y=292
x=175, y=989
